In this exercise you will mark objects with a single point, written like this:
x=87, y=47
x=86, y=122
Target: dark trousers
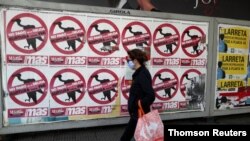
x=130, y=130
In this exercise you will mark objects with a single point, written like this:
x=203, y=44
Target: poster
x=166, y=43
x=26, y=32
x=103, y=36
x=194, y=39
x=67, y=34
x=166, y=87
x=192, y=88
x=103, y=98
x=27, y=98
x=136, y=34
x=232, y=86
x=67, y=93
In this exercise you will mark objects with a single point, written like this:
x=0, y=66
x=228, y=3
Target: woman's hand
x=146, y=5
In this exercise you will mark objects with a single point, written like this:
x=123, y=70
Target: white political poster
x=166, y=43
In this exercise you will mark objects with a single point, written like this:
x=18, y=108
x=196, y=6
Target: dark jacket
x=141, y=89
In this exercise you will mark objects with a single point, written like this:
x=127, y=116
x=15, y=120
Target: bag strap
x=140, y=110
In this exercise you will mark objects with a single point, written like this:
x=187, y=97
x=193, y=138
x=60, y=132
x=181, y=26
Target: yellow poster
x=234, y=63
x=227, y=84
x=236, y=37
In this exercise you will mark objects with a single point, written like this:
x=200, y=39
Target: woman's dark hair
x=138, y=55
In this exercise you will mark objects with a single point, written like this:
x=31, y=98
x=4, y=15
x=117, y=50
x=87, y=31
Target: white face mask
x=131, y=65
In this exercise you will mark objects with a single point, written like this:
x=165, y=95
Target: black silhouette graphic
x=31, y=95
x=107, y=94
x=223, y=102
x=196, y=90
x=106, y=45
x=137, y=33
x=196, y=46
x=72, y=94
x=71, y=43
x=169, y=46
x=31, y=41
x=168, y=90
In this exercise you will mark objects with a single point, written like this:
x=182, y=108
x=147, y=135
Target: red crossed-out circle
x=91, y=79
x=182, y=79
x=109, y=24
x=170, y=72
x=74, y=21
x=68, y=72
x=28, y=17
x=124, y=85
x=28, y=70
x=125, y=30
x=157, y=47
x=202, y=35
